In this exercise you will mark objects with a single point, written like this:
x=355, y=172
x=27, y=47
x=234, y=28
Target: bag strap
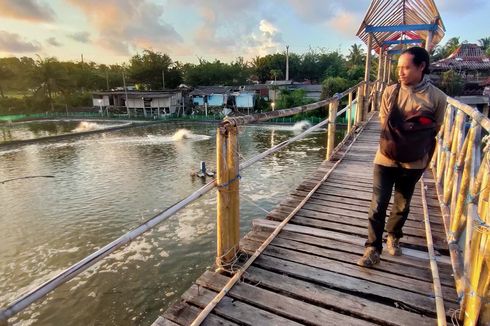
x=394, y=99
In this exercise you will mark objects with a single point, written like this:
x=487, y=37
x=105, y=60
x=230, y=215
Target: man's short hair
x=420, y=55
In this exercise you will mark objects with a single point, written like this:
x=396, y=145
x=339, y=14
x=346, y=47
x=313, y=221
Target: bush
x=332, y=85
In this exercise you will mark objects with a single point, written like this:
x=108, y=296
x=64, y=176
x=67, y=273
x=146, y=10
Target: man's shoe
x=393, y=245
x=370, y=257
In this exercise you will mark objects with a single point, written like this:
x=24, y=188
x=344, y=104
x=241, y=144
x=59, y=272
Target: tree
x=356, y=56
x=451, y=83
x=50, y=77
x=332, y=85
x=6, y=75
x=151, y=68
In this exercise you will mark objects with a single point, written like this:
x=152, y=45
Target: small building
x=213, y=98
x=144, y=103
x=470, y=62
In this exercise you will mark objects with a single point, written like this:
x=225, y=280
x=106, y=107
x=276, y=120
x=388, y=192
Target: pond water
x=43, y=128
x=101, y=186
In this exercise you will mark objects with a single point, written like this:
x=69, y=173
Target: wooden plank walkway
x=308, y=274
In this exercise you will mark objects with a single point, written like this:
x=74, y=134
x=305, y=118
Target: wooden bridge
x=308, y=273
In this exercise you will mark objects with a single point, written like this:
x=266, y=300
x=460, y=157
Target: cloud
x=82, y=37
x=267, y=40
x=52, y=41
x=345, y=23
x=125, y=25
x=10, y=42
x=30, y=10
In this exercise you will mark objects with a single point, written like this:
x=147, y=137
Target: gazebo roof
x=394, y=23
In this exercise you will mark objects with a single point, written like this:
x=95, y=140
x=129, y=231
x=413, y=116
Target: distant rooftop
x=466, y=57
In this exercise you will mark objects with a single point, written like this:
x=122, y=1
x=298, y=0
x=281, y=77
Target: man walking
x=402, y=158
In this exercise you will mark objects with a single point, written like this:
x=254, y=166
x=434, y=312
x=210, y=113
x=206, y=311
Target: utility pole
x=287, y=62
x=125, y=93
x=163, y=78
x=107, y=78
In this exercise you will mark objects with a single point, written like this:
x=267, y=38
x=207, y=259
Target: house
x=470, y=62
x=139, y=103
x=213, y=98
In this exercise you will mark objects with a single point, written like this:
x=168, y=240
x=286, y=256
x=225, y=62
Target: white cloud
x=14, y=43
x=82, y=37
x=125, y=26
x=52, y=41
x=30, y=10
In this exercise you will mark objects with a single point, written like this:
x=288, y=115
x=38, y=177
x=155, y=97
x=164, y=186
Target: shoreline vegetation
x=40, y=85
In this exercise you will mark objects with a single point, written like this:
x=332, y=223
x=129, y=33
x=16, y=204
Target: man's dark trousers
x=384, y=178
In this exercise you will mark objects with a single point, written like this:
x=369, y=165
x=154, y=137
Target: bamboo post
x=458, y=216
x=445, y=143
x=228, y=201
x=475, y=269
x=332, y=114
x=471, y=212
x=367, y=75
x=349, y=113
x=456, y=146
x=359, y=105
x=485, y=110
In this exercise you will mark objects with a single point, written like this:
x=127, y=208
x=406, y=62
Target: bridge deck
x=308, y=274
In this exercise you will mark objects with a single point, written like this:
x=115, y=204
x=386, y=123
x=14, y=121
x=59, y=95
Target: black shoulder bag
x=404, y=137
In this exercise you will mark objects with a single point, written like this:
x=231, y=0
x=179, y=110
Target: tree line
x=41, y=84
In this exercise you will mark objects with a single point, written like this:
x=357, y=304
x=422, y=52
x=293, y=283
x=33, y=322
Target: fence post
x=332, y=115
x=228, y=200
x=359, y=105
x=349, y=113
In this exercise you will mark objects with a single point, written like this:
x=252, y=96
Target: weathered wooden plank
x=324, y=296
x=379, y=292
x=263, y=224
x=445, y=269
x=351, y=269
x=347, y=257
x=408, y=240
x=279, y=304
x=347, y=218
x=413, y=226
x=182, y=313
x=234, y=310
x=163, y=322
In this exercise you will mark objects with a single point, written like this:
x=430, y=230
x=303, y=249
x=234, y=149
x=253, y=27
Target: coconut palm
x=356, y=55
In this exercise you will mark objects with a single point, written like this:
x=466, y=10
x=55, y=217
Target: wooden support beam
x=228, y=200
x=332, y=114
x=367, y=76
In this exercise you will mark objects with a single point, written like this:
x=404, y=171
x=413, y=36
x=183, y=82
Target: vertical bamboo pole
x=386, y=69
x=367, y=75
x=359, y=105
x=428, y=41
x=228, y=201
x=332, y=114
x=456, y=145
x=379, y=78
x=445, y=145
x=349, y=113
x=471, y=215
x=485, y=110
x=458, y=216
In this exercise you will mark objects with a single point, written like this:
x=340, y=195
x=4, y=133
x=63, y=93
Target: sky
x=111, y=31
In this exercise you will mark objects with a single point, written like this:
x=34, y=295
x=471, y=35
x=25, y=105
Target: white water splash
x=182, y=134
x=87, y=126
x=301, y=125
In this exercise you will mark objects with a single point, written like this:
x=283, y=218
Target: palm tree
x=49, y=76
x=485, y=43
x=356, y=55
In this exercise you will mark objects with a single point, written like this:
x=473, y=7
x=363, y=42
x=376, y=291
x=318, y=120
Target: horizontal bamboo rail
x=461, y=166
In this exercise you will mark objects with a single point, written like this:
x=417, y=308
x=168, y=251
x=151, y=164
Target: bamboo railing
x=461, y=166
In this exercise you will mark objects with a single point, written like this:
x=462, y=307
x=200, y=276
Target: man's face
x=409, y=73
